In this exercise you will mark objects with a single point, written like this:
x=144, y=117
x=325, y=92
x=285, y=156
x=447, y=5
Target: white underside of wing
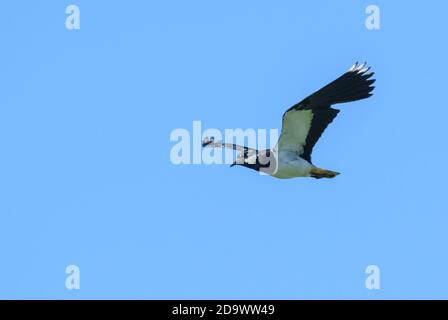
x=295, y=128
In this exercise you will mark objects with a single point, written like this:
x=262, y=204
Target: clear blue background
x=86, y=178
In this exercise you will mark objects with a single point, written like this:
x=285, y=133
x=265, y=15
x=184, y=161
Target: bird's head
x=263, y=161
x=207, y=141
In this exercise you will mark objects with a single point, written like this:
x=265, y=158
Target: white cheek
x=251, y=160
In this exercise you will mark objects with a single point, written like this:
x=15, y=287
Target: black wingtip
x=355, y=84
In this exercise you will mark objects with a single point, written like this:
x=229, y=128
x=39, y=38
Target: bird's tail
x=319, y=173
x=353, y=85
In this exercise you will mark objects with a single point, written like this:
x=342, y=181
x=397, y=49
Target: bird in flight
x=302, y=126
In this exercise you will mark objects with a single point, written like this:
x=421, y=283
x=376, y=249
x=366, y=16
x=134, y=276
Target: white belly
x=291, y=166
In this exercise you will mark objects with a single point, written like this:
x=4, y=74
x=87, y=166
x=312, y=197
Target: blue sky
x=86, y=178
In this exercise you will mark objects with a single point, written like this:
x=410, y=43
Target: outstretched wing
x=304, y=123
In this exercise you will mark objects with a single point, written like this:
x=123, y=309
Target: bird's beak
x=207, y=141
